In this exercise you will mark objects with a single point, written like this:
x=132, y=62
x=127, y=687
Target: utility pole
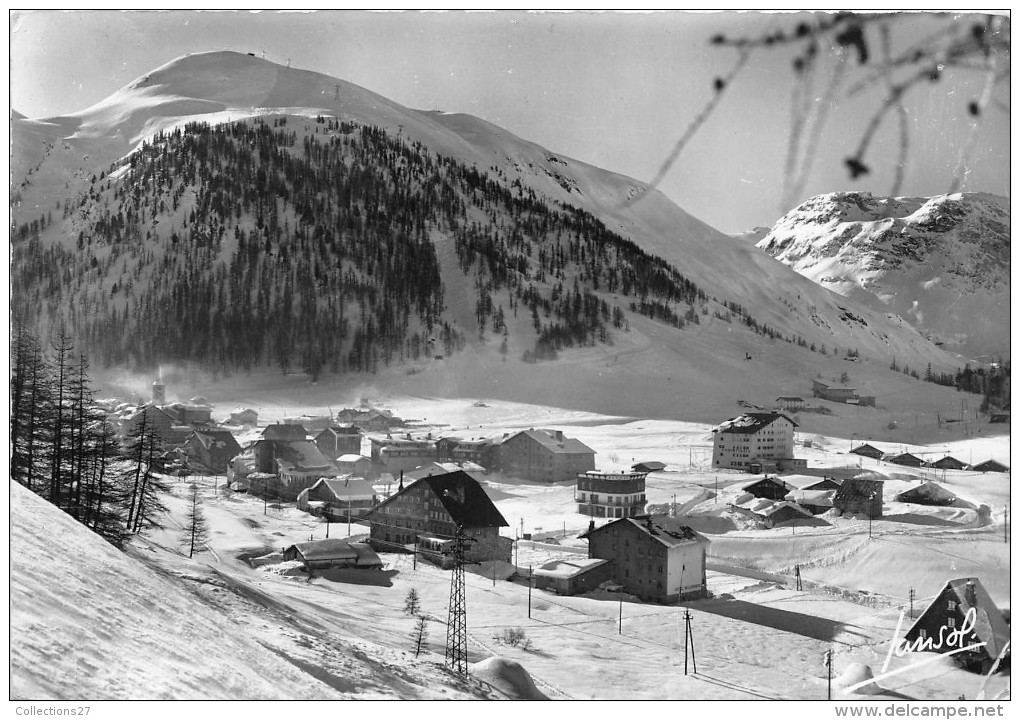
x=912, y=595
x=456, y=626
x=529, y=592
x=828, y=666
x=796, y=573
x=621, y=611
x=689, y=640
x=348, y=516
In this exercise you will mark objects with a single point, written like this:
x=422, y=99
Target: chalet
x=812, y=482
x=332, y=553
x=339, y=440
x=769, y=513
x=402, y=454
x=573, y=576
x=436, y=506
x=212, y=449
x=649, y=467
x=771, y=488
x=336, y=498
x=869, y=451
x=314, y=423
x=354, y=464
x=833, y=394
x=965, y=606
x=299, y=465
x=859, y=496
x=244, y=416
x=484, y=452
x=155, y=419
x=750, y=438
x=988, y=466
x=927, y=493
x=445, y=446
x=189, y=414
x=284, y=431
x=545, y=456
x=790, y=402
x=654, y=557
x=905, y=459
x=607, y=494
x=815, y=502
x=370, y=420
x=948, y=463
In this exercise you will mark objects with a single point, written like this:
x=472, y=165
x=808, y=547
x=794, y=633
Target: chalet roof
x=209, y=437
x=344, y=488
x=554, y=442
x=669, y=531
x=302, y=455
x=991, y=627
x=821, y=498
x=351, y=458
x=284, y=432
x=339, y=431
x=902, y=458
x=462, y=497
x=858, y=489
x=568, y=568
x=750, y=423
x=948, y=462
x=867, y=450
x=329, y=549
x=649, y=466
x=927, y=491
x=810, y=482
x=148, y=410
x=789, y=398
x=765, y=481
x=988, y=466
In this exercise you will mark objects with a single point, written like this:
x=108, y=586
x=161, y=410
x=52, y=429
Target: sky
x=612, y=89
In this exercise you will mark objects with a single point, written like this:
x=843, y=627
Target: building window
x=952, y=606
x=951, y=623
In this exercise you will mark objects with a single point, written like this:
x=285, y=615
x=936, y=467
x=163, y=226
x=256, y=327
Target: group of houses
x=906, y=459
x=774, y=500
x=840, y=394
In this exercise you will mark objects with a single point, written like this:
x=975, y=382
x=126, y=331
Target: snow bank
x=507, y=676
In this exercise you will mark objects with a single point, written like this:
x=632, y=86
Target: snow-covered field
x=96, y=617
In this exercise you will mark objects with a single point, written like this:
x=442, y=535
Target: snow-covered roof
x=749, y=423
x=568, y=568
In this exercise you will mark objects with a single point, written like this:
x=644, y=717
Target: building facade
x=545, y=456
x=610, y=495
x=654, y=557
x=434, y=507
x=740, y=441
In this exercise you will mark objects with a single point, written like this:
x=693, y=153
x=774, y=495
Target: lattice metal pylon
x=456, y=626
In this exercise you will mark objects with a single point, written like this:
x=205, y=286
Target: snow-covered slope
x=91, y=622
x=941, y=262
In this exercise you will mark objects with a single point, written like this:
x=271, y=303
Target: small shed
x=859, y=495
x=988, y=466
x=927, y=493
x=815, y=502
x=770, y=488
x=244, y=416
x=867, y=450
x=905, y=459
x=948, y=463
x=332, y=553
x=354, y=464
x=648, y=466
x=572, y=576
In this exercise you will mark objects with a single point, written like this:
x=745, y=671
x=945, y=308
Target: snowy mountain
x=710, y=302
x=941, y=262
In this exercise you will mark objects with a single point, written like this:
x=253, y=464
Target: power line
x=456, y=625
